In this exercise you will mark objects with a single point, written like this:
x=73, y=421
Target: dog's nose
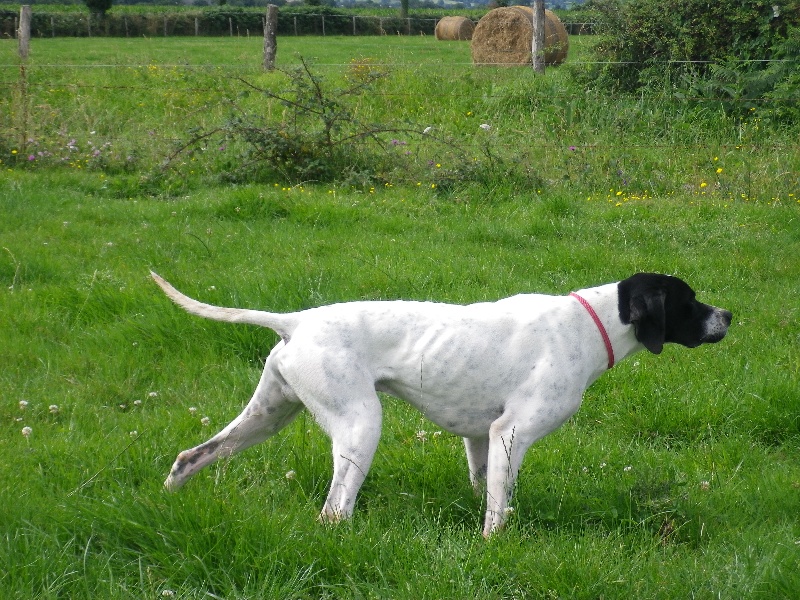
x=727, y=316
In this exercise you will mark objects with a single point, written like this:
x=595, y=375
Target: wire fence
x=219, y=24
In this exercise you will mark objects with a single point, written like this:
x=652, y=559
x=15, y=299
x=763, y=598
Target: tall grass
x=678, y=478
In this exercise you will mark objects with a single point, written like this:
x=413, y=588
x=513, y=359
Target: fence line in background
x=288, y=24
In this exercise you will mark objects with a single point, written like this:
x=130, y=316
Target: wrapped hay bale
x=454, y=28
x=503, y=37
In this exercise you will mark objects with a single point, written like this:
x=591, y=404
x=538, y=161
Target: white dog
x=500, y=374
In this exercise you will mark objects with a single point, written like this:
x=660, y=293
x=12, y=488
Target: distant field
x=679, y=478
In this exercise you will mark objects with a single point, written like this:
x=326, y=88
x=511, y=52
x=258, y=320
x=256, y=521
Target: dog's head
x=664, y=309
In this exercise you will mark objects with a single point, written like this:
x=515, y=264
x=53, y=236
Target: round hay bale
x=504, y=35
x=454, y=28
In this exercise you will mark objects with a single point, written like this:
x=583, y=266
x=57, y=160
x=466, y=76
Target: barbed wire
x=10, y=85
x=396, y=65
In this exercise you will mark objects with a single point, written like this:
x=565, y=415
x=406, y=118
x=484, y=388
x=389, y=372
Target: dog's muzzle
x=717, y=325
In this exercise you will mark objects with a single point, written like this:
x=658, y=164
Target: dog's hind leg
x=341, y=396
x=354, y=439
x=271, y=408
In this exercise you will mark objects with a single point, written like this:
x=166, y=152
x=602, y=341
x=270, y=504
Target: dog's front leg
x=477, y=458
x=507, y=446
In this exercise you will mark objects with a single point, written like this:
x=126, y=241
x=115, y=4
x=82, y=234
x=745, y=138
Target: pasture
x=678, y=478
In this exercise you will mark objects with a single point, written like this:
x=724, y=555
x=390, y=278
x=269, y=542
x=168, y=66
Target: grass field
x=679, y=477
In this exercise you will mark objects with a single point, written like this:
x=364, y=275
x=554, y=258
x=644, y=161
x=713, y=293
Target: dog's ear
x=649, y=319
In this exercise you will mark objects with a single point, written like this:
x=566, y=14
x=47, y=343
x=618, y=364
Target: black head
x=663, y=309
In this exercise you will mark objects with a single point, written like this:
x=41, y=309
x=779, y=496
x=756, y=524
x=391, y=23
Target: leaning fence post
x=24, y=32
x=270, y=37
x=537, y=44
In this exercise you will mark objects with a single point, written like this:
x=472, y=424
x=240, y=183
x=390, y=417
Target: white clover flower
x=627, y=468
x=205, y=421
x=436, y=434
x=422, y=436
x=137, y=402
x=27, y=431
x=509, y=510
x=133, y=433
x=23, y=404
x=192, y=410
x=167, y=594
x=290, y=475
x=54, y=410
x=485, y=126
x=705, y=486
x=152, y=395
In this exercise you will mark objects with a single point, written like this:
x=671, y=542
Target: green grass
x=678, y=478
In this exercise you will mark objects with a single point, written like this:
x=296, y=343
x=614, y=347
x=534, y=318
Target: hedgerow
x=725, y=49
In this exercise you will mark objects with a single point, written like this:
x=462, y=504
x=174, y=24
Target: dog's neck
x=604, y=300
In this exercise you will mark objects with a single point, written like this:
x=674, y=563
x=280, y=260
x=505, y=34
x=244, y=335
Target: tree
x=98, y=6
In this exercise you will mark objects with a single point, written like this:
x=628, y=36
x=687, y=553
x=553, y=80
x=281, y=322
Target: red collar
x=599, y=323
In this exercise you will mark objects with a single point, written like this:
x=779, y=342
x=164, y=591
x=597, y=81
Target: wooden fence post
x=270, y=37
x=537, y=44
x=24, y=32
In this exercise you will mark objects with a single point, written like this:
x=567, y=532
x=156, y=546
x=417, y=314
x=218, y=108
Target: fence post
x=196, y=26
x=354, y=25
x=537, y=43
x=323, y=25
x=24, y=33
x=270, y=37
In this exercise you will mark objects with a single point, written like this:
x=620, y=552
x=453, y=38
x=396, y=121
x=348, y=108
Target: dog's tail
x=282, y=324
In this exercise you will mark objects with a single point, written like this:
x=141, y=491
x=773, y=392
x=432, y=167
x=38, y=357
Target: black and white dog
x=500, y=374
